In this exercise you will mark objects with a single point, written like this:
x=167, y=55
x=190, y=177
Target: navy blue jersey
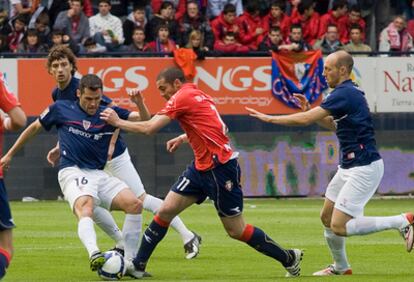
x=349, y=108
x=69, y=93
x=83, y=139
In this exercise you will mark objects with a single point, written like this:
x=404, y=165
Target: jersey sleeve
x=122, y=113
x=176, y=106
x=7, y=100
x=49, y=117
x=336, y=103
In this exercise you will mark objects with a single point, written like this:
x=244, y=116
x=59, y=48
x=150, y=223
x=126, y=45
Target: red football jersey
x=197, y=115
x=7, y=102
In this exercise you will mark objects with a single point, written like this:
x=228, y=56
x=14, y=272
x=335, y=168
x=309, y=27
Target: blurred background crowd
x=222, y=26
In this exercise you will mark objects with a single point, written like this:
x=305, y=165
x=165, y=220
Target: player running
x=214, y=173
x=346, y=112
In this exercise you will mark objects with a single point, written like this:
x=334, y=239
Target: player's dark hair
x=90, y=81
x=171, y=74
x=60, y=52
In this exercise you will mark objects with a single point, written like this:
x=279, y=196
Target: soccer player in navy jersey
x=345, y=111
x=84, y=141
x=215, y=173
x=14, y=120
x=61, y=64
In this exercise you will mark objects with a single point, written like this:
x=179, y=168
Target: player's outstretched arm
x=304, y=104
x=149, y=127
x=136, y=97
x=173, y=144
x=16, y=119
x=298, y=119
x=24, y=137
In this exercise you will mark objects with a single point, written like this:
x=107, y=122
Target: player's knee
x=325, y=219
x=134, y=207
x=338, y=229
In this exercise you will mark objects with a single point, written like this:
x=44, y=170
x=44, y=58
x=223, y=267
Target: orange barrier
x=234, y=83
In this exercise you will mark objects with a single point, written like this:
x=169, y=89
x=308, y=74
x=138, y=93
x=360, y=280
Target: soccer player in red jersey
x=215, y=173
x=16, y=119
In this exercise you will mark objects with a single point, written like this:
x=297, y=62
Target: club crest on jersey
x=228, y=185
x=86, y=124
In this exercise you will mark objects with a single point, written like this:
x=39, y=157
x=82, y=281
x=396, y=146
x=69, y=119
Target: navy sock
x=4, y=262
x=258, y=240
x=152, y=236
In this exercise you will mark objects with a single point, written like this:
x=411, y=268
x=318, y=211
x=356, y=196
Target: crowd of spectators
x=223, y=26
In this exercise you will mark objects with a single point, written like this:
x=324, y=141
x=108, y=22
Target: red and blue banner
x=297, y=72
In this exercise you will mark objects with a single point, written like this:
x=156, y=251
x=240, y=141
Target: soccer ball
x=114, y=267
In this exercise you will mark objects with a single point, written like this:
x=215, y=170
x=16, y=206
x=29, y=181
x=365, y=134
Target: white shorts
x=75, y=182
x=350, y=189
x=122, y=168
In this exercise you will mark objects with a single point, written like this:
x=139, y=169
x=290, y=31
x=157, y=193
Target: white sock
x=365, y=225
x=103, y=218
x=337, y=246
x=131, y=232
x=87, y=235
x=152, y=204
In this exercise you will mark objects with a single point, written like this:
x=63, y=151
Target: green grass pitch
x=47, y=247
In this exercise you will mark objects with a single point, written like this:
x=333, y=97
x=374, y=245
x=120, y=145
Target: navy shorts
x=221, y=184
x=6, y=221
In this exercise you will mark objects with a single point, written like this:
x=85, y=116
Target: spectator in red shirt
x=229, y=44
x=277, y=17
x=226, y=22
x=309, y=21
x=163, y=43
x=251, y=26
x=345, y=24
x=339, y=9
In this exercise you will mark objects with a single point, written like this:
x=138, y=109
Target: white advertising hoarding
x=9, y=68
x=364, y=75
x=395, y=82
